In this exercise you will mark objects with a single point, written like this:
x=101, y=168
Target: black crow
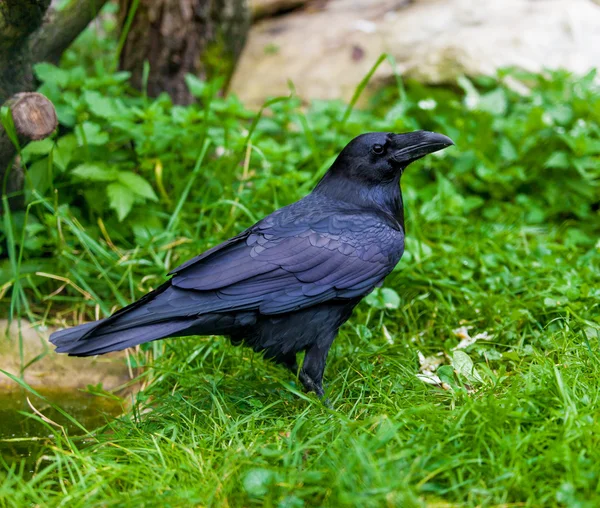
x=288, y=283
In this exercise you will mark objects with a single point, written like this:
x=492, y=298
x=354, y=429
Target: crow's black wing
x=241, y=236
x=281, y=265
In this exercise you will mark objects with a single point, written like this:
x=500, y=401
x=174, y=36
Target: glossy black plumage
x=289, y=282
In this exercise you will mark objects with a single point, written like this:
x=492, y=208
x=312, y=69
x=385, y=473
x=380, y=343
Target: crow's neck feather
x=382, y=196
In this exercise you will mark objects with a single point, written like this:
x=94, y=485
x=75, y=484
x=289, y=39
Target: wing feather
x=279, y=266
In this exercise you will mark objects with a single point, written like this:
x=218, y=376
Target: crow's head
x=382, y=156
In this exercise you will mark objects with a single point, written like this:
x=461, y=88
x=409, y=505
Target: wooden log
x=34, y=116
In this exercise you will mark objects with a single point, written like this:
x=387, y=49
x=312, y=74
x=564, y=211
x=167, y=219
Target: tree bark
x=30, y=32
x=18, y=19
x=62, y=27
x=177, y=37
x=34, y=118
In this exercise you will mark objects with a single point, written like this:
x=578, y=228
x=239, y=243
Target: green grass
x=502, y=236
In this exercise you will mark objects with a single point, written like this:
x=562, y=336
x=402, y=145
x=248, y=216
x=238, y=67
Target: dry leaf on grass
x=465, y=338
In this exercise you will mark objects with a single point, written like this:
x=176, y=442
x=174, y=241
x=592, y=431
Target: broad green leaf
x=196, y=86
x=95, y=173
x=40, y=175
x=66, y=114
x=561, y=113
x=64, y=151
x=89, y=133
x=383, y=298
x=256, y=482
x=372, y=299
x=419, y=251
x=464, y=366
x=104, y=107
x=446, y=374
x=137, y=184
x=558, y=160
x=507, y=149
x=494, y=102
x=120, y=199
x=42, y=147
x=49, y=73
x=390, y=298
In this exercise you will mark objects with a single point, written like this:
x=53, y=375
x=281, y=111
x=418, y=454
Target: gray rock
x=325, y=52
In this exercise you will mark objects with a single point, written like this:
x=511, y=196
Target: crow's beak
x=414, y=145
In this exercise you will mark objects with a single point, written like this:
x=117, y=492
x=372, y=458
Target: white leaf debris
x=427, y=104
x=465, y=338
x=387, y=335
x=429, y=364
x=420, y=334
x=430, y=379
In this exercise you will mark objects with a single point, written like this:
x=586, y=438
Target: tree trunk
x=177, y=37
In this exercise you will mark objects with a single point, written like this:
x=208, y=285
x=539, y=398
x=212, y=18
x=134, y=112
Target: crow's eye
x=378, y=149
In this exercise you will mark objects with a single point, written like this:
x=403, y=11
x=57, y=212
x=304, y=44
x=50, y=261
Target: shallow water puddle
x=25, y=438
x=61, y=380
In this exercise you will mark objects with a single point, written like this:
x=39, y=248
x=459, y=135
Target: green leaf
x=464, y=366
x=120, y=199
x=419, y=251
x=64, y=151
x=89, y=133
x=472, y=202
x=390, y=298
x=372, y=299
x=561, y=113
x=446, y=374
x=51, y=74
x=558, y=160
x=383, y=298
x=40, y=175
x=104, y=107
x=507, y=150
x=66, y=114
x=494, y=102
x=138, y=185
x=196, y=86
x=43, y=147
x=95, y=173
x=257, y=481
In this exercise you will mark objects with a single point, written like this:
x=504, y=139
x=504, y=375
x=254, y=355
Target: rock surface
x=327, y=47
x=59, y=372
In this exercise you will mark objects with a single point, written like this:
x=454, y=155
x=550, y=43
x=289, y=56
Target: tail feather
x=69, y=335
x=82, y=341
x=157, y=315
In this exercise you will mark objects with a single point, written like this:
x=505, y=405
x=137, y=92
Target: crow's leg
x=288, y=361
x=313, y=367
